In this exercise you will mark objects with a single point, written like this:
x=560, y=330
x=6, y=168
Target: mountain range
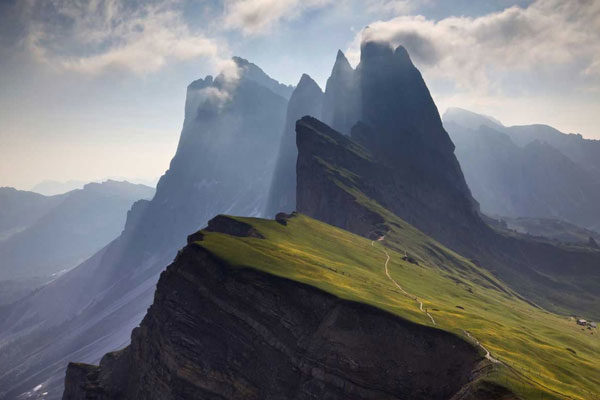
x=388, y=281
x=46, y=235
x=365, y=292
x=528, y=171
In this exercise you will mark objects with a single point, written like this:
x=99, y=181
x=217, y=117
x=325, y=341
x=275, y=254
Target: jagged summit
x=341, y=62
x=396, y=100
x=386, y=106
x=341, y=104
x=305, y=80
x=251, y=71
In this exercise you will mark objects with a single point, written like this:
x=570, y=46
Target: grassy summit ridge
x=547, y=348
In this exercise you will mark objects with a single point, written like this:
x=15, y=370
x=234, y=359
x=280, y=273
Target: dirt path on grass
x=488, y=356
x=487, y=353
x=411, y=296
x=415, y=298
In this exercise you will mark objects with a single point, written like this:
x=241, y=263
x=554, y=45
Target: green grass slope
x=542, y=355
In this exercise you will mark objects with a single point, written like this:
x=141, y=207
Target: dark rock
x=410, y=259
x=85, y=383
x=283, y=217
x=592, y=243
x=215, y=331
x=195, y=237
x=231, y=226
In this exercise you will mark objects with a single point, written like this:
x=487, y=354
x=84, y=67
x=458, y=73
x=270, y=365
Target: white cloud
x=259, y=16
x=471, y=51
x=102, y=35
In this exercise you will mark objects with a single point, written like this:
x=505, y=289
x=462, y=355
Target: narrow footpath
x=488, y=356
x=411, y=296
x=415, y=298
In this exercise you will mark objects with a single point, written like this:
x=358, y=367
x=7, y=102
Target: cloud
x=259, y=16
x=390, y=6
x=547, y=35
x=99, y=35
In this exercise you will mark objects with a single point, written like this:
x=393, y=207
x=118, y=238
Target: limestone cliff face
x=328, y=160
x=219, y=332
x=385, y=106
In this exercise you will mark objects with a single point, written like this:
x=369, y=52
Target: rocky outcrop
x=220, y=332
x=231, y=226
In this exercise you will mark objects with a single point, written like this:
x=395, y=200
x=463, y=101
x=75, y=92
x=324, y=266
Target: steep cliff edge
x=217, y=330
x=249, y=300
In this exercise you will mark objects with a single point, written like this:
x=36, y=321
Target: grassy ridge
x=546, y=348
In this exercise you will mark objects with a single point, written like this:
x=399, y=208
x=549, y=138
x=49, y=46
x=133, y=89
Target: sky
x=91, y=89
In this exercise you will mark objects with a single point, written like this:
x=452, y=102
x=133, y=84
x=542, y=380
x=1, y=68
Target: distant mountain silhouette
x=78, y=224
x=19, y=209
x=51, y=188
x=527, y=171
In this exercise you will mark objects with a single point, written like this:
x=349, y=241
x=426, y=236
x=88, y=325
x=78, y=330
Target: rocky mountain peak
x=341, y=63
x=252, y=72
x=306, y=83
x=307, y=99
x=341, y=104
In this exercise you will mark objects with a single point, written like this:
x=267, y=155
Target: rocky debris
x=283, y=217
x=410, y=259
x=233, y=227
x=215, y=331
x=592, y=243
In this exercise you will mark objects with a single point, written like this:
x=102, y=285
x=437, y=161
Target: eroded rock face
x=324, y=153
x=217, y=332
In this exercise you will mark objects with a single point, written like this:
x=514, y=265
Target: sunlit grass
x=550, y=356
